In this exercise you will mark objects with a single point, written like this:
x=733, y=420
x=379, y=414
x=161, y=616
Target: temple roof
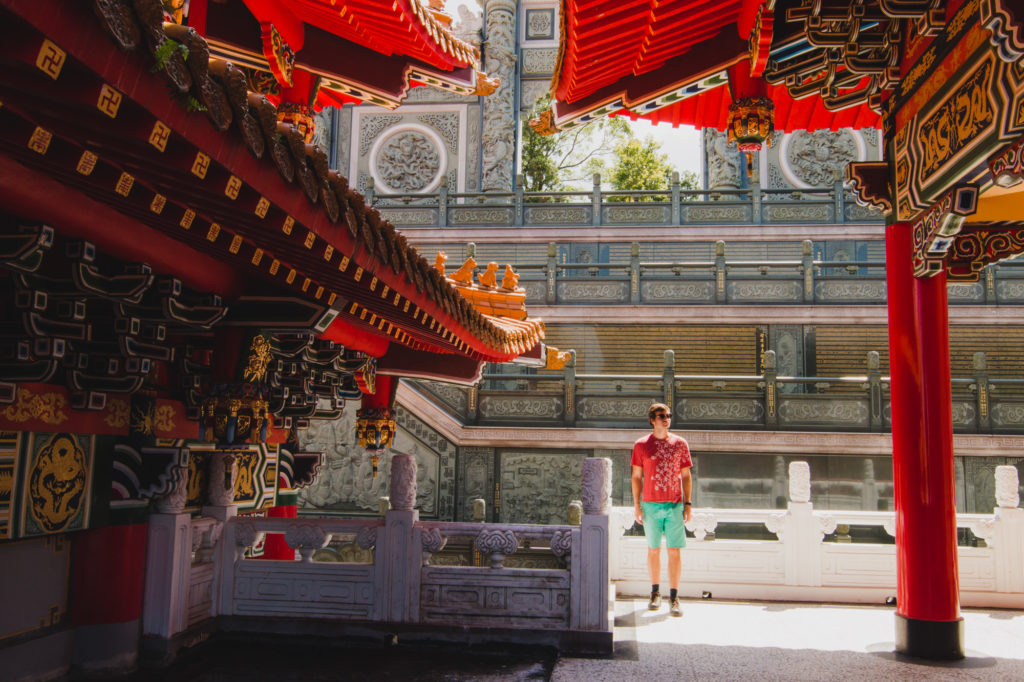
x=319, y=53
x=674, y=62
x=228, y=200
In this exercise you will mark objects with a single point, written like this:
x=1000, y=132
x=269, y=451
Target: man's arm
x=638, y=485
x=687, y=481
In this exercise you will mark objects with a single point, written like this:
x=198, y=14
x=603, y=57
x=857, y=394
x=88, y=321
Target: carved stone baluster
x=307, y=539
x=561, y=545
x=497, y=544
x=1007, y=487
x=433, y=542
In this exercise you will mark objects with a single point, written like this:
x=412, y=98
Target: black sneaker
x=655, y=602
x=675, y=609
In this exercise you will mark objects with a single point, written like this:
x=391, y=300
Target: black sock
x=673, y=593
x=655, y=588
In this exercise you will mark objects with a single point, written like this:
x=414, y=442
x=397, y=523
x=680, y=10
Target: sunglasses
x=663, y=415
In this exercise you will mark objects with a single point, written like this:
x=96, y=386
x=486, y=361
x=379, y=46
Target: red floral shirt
x=663, y=461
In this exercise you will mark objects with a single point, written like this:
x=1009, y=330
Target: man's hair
x=654, y=409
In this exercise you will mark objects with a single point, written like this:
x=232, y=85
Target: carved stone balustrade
x=306, y=539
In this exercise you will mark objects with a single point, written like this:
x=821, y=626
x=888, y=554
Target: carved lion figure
x=440, y=261
x=489, y=278
x=464, y=274
x=510, y=280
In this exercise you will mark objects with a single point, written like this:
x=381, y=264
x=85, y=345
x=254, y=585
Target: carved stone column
x=589, y=563
x=723, y=161
x=400, y=552
x=403, y=482
x=498, y=135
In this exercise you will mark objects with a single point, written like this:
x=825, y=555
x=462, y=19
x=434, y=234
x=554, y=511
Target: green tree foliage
x=552, y=163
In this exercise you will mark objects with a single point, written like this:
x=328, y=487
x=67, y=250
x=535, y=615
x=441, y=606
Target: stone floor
x=716, y=640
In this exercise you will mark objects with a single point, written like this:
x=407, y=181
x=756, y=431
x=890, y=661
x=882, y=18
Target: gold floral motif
x=259, y=357
x=922, y=66
x=163, y=418
x=47, y=407
x=117, y=413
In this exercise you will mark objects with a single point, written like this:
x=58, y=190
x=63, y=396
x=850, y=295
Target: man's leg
x=675, y=567
x=654, y=564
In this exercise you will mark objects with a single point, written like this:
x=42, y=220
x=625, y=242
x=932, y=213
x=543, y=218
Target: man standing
x=662, y=486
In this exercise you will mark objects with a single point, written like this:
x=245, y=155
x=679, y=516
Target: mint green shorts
x=664, y=518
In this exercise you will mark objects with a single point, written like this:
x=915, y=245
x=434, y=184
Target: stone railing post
x=720, y=272
x=875, y=416
x=473, y=404
x=807, y=264
x=569, y=389
x=838, y=197
x=595, y=200
x=399, y=557
x=981, y=393
x=442, y=203
x=370, y=191
x=1008, y=535
x=990, y=285
x=668, y=380
x=550, y=294
x=479, y=510
x=168, y=558
x=634, y=273
x=589, y=568
x=755, y=202
x=676, y=199
x=800, y=531
x=520, y=191
x=771, y=392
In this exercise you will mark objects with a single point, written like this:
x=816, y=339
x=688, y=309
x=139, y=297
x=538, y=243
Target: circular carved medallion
x=409, y=158
x=819, y=158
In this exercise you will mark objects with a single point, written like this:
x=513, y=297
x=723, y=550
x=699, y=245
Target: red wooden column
x=106, y=604
x=928, y=621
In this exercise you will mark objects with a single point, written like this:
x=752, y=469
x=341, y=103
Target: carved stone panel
x=409, y=216
x=966, y=293
x=635, y=215
x=476, y=479
x=677, y=292
x=789, y=213
x=1010, y=291
x=498, y=134
x=964, y=413
x=537, y=488
x=849, y=290
x=787, y=342
x=408, y=159
x=764, y=290
x=704, y=410
x=539, y=60
x=540, y=24
x=435, y=489
x=820, y=411
x=612, y=408
x=717, y=214
x=605, y=292
x=557, y=215
x=723, y=160
x=505, y=407
x=480, y=216
x=1007, y=414
x=819, y=158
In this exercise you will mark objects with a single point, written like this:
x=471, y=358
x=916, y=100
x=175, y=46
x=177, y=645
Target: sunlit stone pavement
x=717, y=640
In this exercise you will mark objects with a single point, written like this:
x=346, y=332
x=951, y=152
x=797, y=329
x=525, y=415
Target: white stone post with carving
x=589, y=565
x=1008, y=532
x=399, y=552
x=168, y=557
x=499, y=126
x=800, y=530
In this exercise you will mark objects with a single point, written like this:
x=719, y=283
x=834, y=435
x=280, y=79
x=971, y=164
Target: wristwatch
x=687, y=504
